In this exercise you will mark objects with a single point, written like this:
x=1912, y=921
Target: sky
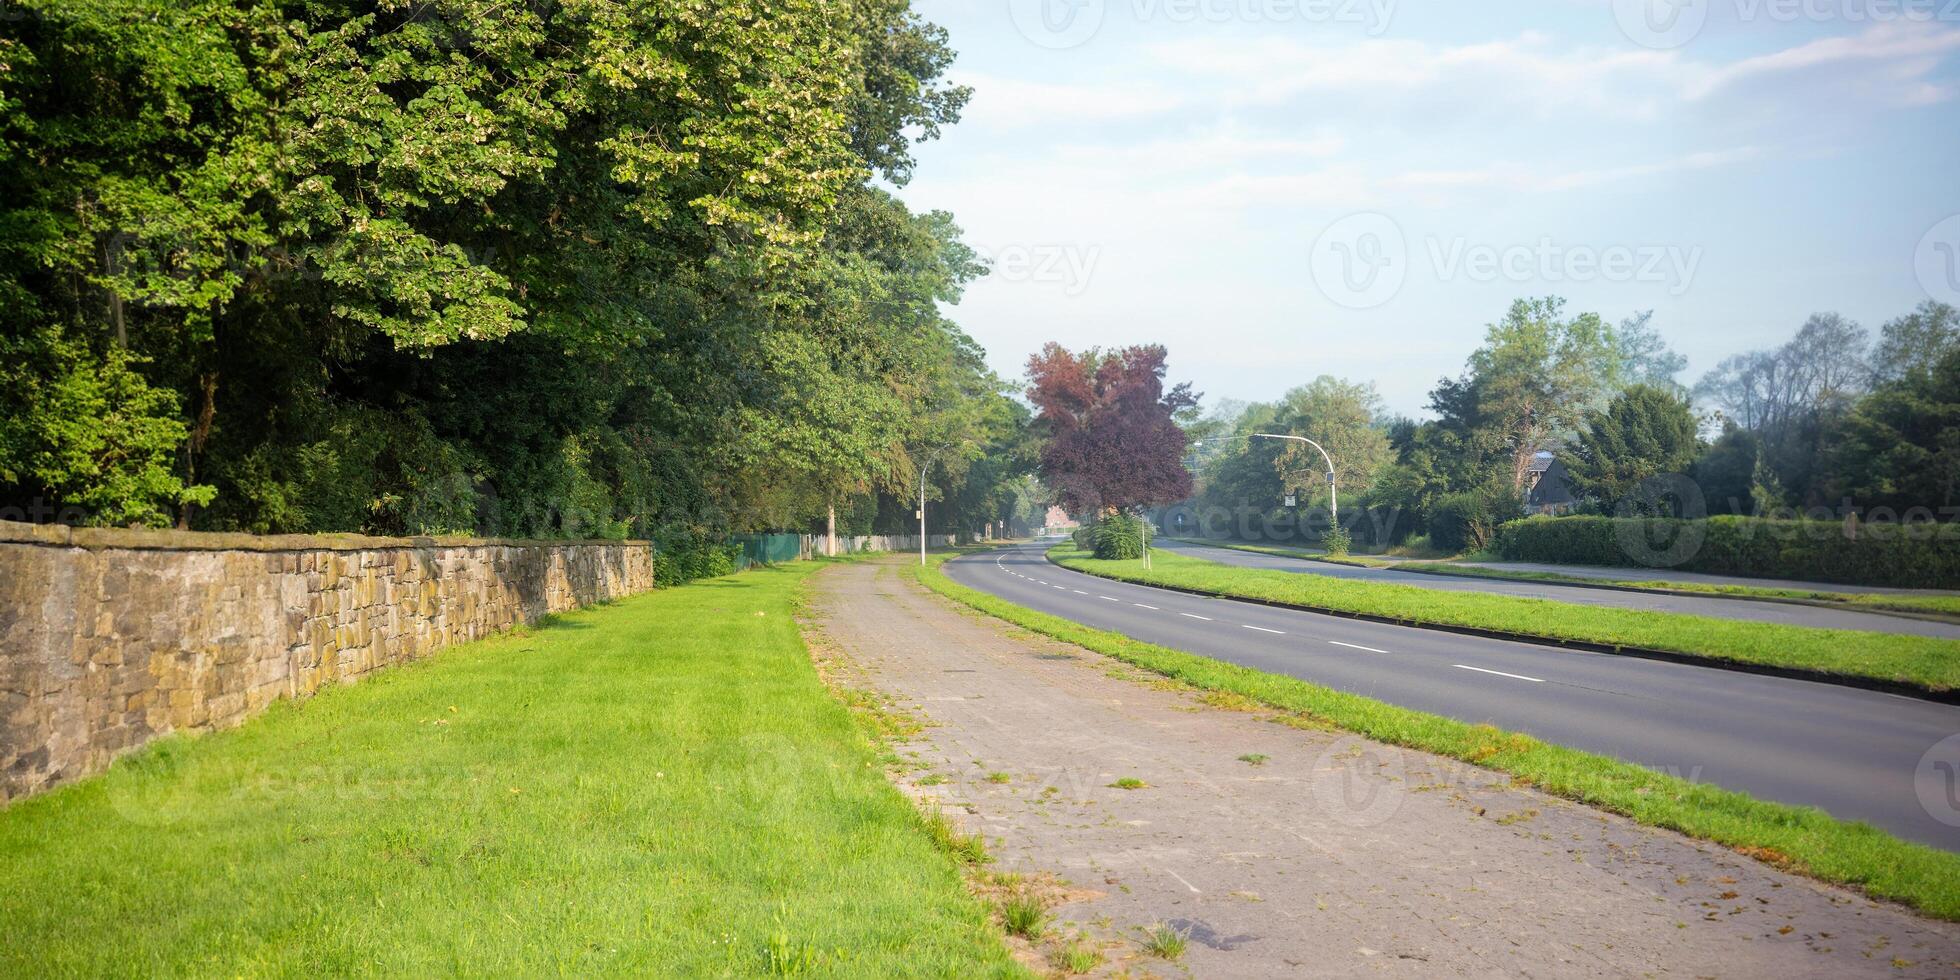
x=1279, y=189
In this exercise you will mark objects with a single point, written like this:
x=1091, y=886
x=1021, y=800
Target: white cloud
x=1523, y=178
x=1527, y=72
x=1889, y=61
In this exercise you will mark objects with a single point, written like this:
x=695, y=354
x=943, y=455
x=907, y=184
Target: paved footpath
x=1335, y=856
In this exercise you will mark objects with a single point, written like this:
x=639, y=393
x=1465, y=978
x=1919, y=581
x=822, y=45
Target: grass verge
x=1946, y=606
x=659, y=787
x=1800, y=839
x=1304, y=554
x=1930, y=664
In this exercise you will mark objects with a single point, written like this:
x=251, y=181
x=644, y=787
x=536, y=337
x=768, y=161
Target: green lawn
x=657, y=787
x=1926, y=662
x=1802, y=839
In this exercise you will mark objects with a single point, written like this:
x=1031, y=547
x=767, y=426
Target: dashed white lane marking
x=1058, y=588
x=1142, y=606
x=1196, y=616
x=1109, y=597
x=1356, y=646
x=1078, y=592
x=1481, y=670
x=1262, y=629
x=1042, y=581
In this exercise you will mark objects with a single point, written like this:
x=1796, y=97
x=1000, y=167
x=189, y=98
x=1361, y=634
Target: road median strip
x=1805, y=840
x=1940, y=609
x=1915, y=666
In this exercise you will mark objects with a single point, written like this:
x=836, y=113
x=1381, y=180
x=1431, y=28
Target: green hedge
x=1910, y=555
x=679, y=564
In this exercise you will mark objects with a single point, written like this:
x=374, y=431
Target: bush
x=678, y=564
x=1119, y=538
x=1916, y=555
x=89, y=431
x=1468, y=520
x=1084, y=537
x=1337, y=540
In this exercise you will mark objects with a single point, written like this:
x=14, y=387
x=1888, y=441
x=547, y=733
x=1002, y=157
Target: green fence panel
x=766, y=549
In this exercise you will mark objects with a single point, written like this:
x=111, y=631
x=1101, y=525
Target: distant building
x=1058, y=520
x=1547, y=491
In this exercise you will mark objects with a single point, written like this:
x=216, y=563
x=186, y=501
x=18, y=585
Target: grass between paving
x=1937, y=605
x=1931, y=663
x=661, y=786
x=1800, y=839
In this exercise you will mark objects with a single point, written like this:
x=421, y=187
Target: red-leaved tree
x=1112, y=440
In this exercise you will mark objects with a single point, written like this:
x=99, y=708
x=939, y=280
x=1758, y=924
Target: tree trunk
x=194, y=446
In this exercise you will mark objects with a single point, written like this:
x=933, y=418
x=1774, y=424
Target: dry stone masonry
x=110, y=638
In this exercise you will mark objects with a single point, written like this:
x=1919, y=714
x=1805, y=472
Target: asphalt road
x=1852, y=752
x=1769, y=612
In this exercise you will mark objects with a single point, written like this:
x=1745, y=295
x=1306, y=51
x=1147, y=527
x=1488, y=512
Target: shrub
x=683, y=562
x=1467, y=520
x=88, y=430
x=1084, y=537
x=1337, y=540
x=1119, y=537
x=1923, y=555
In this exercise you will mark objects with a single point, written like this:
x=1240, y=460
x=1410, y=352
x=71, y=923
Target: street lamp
x=1333, y=495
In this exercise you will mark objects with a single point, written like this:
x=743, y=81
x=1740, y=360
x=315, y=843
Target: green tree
x=90, y=430
x=1537, y=374
x=1346, y=418
x=1899, y=447
x=536, y=268
x=1726, y=471
x=1916, y=341
x=1644, y=432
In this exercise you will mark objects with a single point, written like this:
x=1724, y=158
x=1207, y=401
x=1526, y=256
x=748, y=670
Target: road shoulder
x=1333, y=853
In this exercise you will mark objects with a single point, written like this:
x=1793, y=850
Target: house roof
x=1551, y=488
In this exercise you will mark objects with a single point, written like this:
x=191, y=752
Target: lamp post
x=1333, y=494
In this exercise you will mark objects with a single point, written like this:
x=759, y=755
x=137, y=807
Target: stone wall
x=110, y=638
